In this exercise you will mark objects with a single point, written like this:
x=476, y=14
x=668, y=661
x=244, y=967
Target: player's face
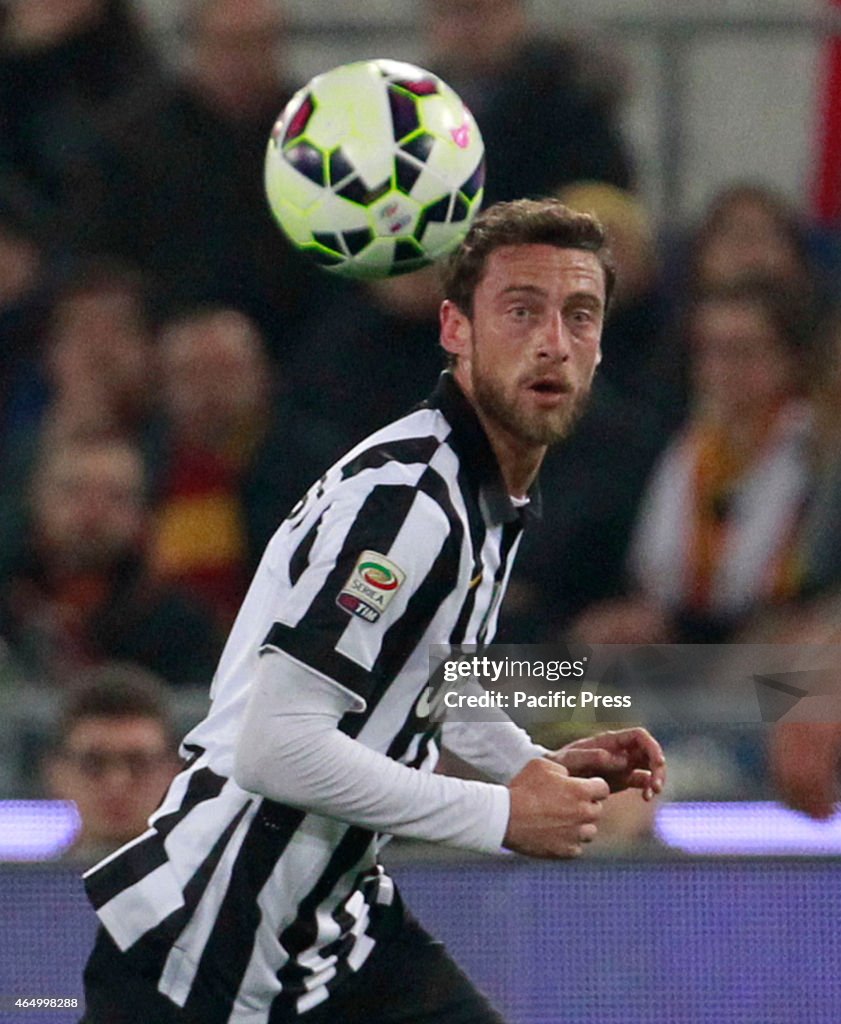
x=527, y=356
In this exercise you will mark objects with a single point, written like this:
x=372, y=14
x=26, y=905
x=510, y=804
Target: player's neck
x=519, y=462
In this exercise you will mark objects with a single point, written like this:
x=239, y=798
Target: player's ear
x=455, y=329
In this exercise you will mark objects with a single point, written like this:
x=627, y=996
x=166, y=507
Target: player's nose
x=555, y=339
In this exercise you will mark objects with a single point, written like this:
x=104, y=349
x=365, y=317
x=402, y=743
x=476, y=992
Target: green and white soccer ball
x=375, y=168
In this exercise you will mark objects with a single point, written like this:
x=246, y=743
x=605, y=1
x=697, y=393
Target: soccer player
x=256, y=894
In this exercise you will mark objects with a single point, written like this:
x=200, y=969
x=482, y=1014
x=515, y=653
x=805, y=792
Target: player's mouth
x=549, y=390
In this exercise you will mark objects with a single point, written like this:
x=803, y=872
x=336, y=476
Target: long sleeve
x=291, y=750
x=494, y=745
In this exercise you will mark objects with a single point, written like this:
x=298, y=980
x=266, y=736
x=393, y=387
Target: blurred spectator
x=813, y=617
x=806, y=764
x=61, y=61
x=237, y=452
x=716, y=533
x=376, y=352
x=750, y=230
x=177, y=187
x=216, y=393
x=92, y=371
x=747, y=231
x=114, y=757
x=804, y=749
x=821, y=540
x=89, y=373
x=79, y=592
x=546, y=107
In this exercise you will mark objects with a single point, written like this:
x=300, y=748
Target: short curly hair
x=522, y=222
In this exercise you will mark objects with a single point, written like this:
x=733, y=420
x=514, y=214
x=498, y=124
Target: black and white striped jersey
x=247, y=910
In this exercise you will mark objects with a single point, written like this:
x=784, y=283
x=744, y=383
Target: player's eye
x=582, y=316
x=520, y=314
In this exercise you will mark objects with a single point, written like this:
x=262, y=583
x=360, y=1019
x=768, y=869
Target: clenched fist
x=552, y=814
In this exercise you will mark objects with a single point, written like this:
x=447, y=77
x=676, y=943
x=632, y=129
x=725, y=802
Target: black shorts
x=409, y=978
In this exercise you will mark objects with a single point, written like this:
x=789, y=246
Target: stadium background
x=715, y=939
x=760, y=60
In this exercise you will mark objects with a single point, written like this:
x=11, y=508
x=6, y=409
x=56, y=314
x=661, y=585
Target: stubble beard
x=538, y=426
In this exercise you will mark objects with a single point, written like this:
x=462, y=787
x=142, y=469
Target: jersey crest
x=371, y=586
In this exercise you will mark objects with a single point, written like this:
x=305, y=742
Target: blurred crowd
x=173, y=376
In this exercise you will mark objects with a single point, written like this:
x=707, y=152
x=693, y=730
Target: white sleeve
x=290, y=750
x=495, y=746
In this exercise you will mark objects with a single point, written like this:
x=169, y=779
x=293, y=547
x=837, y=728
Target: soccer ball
x=375, y=168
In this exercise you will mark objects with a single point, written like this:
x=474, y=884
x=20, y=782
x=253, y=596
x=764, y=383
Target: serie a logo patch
x=371, y=586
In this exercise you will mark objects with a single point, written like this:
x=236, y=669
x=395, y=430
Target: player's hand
x=624, y=758
x=552, y=814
